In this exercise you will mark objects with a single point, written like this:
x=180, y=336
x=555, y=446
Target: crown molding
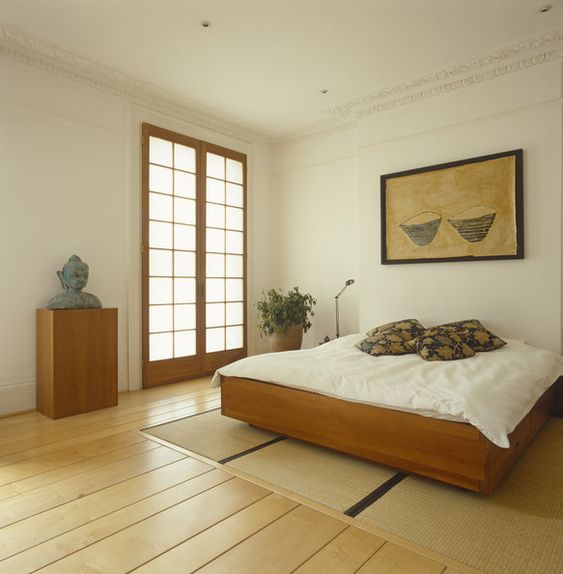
x=343, y=117
x=522, y=56
x=516, y=58
x=24, y=49
x=317, y=130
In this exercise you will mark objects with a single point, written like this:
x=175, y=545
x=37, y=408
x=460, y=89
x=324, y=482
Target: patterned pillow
x=388, y=343
x=408, y=329
x=441, y=344
x=476, y=336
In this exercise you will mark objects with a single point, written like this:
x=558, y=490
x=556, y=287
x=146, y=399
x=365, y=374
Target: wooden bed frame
x=452, y=452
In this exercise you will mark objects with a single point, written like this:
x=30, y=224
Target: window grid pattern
x=224, y=253
x=172, y=250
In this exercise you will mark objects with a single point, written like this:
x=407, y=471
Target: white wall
x=69, y=158
x=62, y=150
x=518, y=298
x=315, y=202
x=70, y=184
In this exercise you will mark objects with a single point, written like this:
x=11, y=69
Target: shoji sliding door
x=194, y=257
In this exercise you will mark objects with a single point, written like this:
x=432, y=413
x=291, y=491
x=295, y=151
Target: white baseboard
x=20, y=395
x=17, y=397
x=122, y=380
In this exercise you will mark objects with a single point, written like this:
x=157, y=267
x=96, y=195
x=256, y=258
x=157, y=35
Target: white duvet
x=493, y=391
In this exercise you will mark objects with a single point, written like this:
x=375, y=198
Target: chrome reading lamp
x=347, y=284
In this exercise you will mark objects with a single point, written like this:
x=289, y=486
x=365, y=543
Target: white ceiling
x=262, y=63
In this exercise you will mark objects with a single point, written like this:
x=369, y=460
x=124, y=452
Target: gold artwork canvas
x=459, y=211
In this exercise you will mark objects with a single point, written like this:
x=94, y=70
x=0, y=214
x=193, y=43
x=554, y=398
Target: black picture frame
x=471, y=230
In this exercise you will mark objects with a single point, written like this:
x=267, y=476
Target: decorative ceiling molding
x=521, y=56
x=477, y=78
x=544, y=49
x=319, y=129
x=26, y=50
x=343, y=117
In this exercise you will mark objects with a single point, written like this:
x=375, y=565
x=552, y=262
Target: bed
x=461, y=422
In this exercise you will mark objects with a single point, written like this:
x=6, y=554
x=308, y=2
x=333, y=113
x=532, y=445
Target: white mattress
x=493, y=391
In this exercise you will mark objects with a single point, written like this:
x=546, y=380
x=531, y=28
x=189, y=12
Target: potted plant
x=284, y=317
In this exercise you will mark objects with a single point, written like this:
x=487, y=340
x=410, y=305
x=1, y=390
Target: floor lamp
x=347, y=284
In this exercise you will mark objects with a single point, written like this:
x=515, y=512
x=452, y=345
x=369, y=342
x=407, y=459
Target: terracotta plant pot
x=289, y=341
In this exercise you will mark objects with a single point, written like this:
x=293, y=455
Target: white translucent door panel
x=160, y=234
x=184, y=264
x=235, y=171
x=234, y=337
x=184, y=290
x=215, y=291
x=160, y=291
x=234, y=265
x=215, y=240
x=160, y=206
x=234, y=290
x=224, y=209
x=215, y=265
x=184, y=210
x=215, y=314
x=172, y=196
x=184, y=237
x=234, y=218
x=234, y=242
x=215, y=215
x=160, y=262
x=160, y=179
x=184, y=343
x=235, y=195
x=184, y=158
x=161, y=346
x=184, y=184
x=215, y=340
x=160, y=318
x=234, y=314
x=184, y=317
x=216, y=166
x=215, y=191
x=193, y=256
x=160, y=151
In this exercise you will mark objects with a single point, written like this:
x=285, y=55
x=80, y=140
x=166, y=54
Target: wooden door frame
x=212, y=361
x=155, y=373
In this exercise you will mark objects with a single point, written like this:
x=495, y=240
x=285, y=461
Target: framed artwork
x=466, y=210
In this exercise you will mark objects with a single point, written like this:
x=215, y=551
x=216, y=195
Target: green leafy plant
x=277, y=311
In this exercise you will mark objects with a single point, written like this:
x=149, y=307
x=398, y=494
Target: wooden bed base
x=452, y=452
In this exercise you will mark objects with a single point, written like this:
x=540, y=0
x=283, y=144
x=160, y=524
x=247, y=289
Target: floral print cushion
x=441, y=344
x=476, y=336
x=388, y=343
x=408, y=329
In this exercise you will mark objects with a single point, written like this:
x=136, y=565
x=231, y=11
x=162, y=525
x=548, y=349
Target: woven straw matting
x=333, y=479
x=211, y=435
x=516, y=530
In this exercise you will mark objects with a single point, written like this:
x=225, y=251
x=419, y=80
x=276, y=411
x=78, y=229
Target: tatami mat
x=212, y=435
x=327, y=477
x=336, y=480
x=518, y=529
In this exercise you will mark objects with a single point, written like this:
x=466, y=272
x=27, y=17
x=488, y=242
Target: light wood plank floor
x=92, y=493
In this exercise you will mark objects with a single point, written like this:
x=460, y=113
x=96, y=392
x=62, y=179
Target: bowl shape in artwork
x=474, y=224
x=422, y=227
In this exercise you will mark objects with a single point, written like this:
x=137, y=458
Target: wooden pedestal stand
x=76, y=361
